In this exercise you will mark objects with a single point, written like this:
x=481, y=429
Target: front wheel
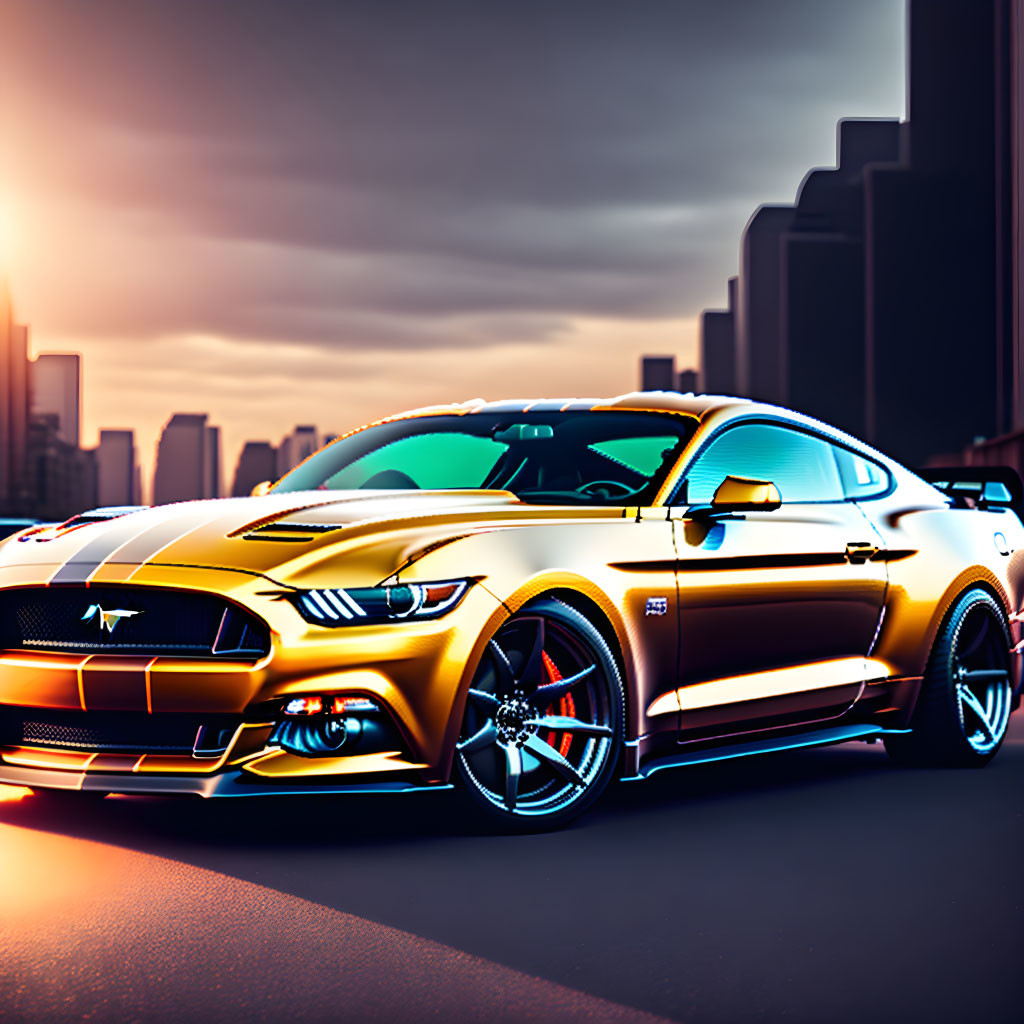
x=544, y=720
x=964, y=707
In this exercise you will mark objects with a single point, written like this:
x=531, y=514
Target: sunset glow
x=278, y=246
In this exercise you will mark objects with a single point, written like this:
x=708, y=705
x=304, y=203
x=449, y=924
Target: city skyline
x=46, y=472
x=806, y=271
x=399, y=209
x=896, y=265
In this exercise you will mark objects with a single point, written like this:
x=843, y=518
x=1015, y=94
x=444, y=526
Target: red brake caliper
x=566, y=706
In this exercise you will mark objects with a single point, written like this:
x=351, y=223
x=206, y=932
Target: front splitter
x=223, y=784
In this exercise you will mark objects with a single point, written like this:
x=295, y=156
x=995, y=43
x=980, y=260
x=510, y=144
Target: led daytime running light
x=359, y=606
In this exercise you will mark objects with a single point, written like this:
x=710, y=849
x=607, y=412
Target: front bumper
x=414, y=670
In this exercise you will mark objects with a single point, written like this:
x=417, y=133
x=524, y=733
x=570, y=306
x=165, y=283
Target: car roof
x=687, y=404
x=717, y=408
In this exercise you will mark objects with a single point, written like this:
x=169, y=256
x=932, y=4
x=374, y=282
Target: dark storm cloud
x=369, y=171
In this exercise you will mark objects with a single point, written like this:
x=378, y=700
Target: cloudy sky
x=282, y=212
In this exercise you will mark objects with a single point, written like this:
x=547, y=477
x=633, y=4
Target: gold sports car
x=522, y=600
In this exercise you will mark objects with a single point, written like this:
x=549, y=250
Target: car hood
x=286, y=537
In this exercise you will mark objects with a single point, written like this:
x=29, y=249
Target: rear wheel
x=544, y=720
x=962, y=713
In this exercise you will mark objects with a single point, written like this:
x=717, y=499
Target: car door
x=777, y=609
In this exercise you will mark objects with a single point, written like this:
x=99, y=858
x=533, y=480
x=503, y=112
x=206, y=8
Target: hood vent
x=51, y=531
x=291, y=533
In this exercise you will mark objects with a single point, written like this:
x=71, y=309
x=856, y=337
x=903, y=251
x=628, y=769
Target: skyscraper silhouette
x=188, y=460
x=56, y=388
x=887, y=299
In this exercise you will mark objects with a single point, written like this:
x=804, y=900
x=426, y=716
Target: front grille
x=123, y=732
x=129, y=620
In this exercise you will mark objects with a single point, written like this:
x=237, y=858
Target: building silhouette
x=211, y=464
x=60, y=478
x=657, y=373
x=717, y=375
x=295, y=447
x=43, y=471
x=256, y=463
x=687, y=381
x=188, y=460
x=117, y=469
x=887, y=298
x=947, y=330
x=13, y=408
x=55, y=380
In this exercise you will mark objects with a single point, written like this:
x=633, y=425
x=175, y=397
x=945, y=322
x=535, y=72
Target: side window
x=801, y=466
x=861, y=477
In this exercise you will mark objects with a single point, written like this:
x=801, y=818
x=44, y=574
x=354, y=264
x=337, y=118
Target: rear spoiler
x=983, y=487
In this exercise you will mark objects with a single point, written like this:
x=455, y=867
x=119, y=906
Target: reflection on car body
x=521, y=600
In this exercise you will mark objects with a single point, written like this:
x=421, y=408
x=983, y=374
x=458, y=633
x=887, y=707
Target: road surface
x=813, y=886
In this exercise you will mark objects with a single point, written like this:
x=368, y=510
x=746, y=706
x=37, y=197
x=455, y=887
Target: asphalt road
x=818, y=886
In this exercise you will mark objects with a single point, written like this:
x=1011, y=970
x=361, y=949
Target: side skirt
x=765, y=745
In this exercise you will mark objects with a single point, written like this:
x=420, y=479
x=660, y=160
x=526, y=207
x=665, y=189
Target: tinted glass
x=641, y=454
x=601, y=458
x=861, y=477
x=426, y=461
x=802, y=467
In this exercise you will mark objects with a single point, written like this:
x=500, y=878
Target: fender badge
x=656, y=606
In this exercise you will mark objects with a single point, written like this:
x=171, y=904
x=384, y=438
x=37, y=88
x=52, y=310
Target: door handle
x=859, y=551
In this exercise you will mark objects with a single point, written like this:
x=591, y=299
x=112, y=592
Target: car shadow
x=687, y=890
x=362, y=820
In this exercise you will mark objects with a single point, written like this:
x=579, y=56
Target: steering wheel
x=390, y=480
x=624, y=490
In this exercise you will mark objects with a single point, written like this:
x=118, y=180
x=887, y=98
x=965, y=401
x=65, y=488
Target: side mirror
x=263, y=487
x=739, y=494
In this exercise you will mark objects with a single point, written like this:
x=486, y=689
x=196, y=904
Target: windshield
x=593, y=458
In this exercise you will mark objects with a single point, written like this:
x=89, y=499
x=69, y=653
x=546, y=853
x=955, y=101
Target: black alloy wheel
x=544, y=720
x=964, y=707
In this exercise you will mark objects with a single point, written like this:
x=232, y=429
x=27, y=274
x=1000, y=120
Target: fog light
x=329, y=726
x=304, y=706
x=315, y=738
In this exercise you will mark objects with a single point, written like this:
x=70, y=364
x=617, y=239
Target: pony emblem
x=107, y=620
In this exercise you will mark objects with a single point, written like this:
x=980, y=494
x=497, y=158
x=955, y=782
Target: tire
x=964, y=706
x=544, y=721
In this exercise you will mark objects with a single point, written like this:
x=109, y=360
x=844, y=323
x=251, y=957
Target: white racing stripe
x=126, y=540
x=123, y=537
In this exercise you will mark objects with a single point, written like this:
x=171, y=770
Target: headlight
x=366, y=606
